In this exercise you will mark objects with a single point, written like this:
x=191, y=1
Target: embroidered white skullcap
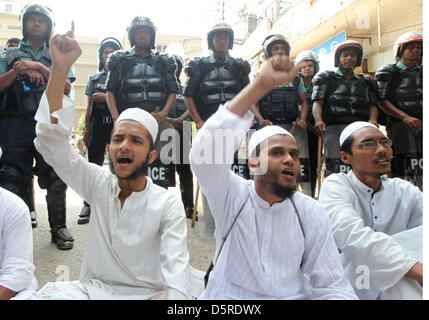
x=265, y=133
x=352, y=128
x=143, y=117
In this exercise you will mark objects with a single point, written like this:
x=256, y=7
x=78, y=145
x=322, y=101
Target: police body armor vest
x=143, y=86
x=221, y=83
x=281, y=104
x=407, y=91
x=99, y=109
x=180, y=106
x=349, y=98
x=23, y=97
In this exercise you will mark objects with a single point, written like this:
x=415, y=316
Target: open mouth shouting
x=124, y=161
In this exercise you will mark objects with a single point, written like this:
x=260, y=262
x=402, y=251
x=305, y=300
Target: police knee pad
x=55, y=184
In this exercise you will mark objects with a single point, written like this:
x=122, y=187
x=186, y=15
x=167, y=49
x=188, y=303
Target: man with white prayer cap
x=271, y=242
x=376, y=221
x=17, y=279
x=136, y=242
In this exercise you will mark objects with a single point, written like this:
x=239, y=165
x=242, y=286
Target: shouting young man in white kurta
x=136, y=243
x=280, y=245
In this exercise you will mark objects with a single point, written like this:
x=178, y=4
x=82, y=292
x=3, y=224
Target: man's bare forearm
x=7, y=79
x=111, y=104
x=416, y=272
x=5, y=293
x=55, y=89
x=190, y=104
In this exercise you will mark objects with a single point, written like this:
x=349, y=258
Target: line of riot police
x=316, y=104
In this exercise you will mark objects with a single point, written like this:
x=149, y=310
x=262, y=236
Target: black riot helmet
x=270, y=40
x=107, y=42
x=43, y=11
x=220, y=27
x=141, y=21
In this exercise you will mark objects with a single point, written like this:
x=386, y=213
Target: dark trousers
x=99, y=137
x=17, y=134
x=185, y=174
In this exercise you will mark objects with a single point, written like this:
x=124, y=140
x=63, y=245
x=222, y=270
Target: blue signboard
x=325, y=51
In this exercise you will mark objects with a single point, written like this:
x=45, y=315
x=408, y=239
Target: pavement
x=55, y=265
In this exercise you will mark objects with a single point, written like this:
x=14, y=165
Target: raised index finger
x=70, y=33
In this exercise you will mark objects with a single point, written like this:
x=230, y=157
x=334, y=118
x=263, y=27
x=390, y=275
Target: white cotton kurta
x=16, y=247
x=135, y=252
x=366, y=225
x=263, y=254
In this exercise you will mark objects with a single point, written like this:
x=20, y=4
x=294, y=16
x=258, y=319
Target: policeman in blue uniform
x=98, y=121
x=24, y=73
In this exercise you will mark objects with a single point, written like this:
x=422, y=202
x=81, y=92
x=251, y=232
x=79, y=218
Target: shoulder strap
x=299, y=218
x=232, y=224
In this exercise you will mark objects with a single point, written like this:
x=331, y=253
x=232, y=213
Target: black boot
x=84, y=214
x=56, y=201
x=29, y=200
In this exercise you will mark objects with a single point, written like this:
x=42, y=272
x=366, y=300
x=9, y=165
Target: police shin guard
x=56, y=201
x=84, y=214
x=28, y=197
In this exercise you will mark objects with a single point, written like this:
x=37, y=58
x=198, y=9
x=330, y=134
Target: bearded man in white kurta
x=136, y=243
x=280, y=245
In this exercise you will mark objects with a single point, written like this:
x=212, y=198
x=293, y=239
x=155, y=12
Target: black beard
x=283, y=192
x=138, y=172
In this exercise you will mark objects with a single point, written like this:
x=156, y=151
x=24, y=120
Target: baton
x=194, y=214
x=319, y=164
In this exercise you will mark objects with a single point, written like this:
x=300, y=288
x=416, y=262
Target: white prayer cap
x=265, y=133
x=352, y=128
x=143, y=117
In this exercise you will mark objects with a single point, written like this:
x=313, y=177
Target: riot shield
x=407, y=160
x=304, y=179
x=331, y=150
x=162, y=170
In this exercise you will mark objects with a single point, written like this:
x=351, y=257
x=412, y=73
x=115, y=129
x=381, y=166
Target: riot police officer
x=144, y=79
x=282, y=105
x=24, y=72
x=341, y=97
x=212, y=81
x=215, y=79
x=400, y=90
x=98, y=121
x=310, y=66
